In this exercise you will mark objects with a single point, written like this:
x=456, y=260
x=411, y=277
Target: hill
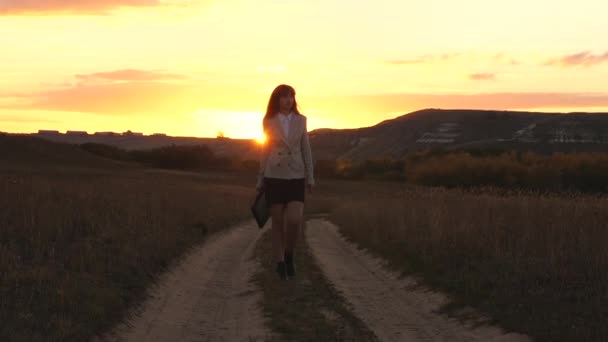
x=16, y=149
x=222, y=147
x=428, y=129
x=439, y=129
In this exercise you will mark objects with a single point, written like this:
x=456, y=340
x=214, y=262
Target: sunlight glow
x=261, y=139
x=233, y=124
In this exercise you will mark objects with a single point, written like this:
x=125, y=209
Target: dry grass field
x=79, y=246
x=537, y=264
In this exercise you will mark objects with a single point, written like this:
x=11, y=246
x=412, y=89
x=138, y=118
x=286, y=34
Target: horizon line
x=160, y=134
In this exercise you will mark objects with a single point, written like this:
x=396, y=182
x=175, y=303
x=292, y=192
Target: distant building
x=48, y=132
x=525, y=134
x=79, y=133
x=132, y=133
x=445, y=133
x=575, y=135
x=159, y=135
x=105, y=134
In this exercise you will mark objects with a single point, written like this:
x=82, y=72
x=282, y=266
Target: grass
x=78, y=247
x=307, y=308
x=537, y=264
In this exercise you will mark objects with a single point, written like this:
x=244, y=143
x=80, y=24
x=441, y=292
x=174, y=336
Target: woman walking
x=286, y=171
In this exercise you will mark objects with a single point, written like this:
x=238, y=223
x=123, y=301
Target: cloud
x=482, y=77
x=381, y=104
x=122, y=98
x=118, y=92
x=119, y=98
x=130, y=92
x=584, y=59
x=128, y=75
x=508, y=100
x=72, y=6
x=503, y=58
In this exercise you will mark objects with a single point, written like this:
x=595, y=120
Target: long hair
x=274, y=103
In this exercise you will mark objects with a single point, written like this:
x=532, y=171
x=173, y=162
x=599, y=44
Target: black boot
x=281, y=270
x=290, y=265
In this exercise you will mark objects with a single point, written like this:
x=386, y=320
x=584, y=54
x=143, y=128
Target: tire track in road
x=394, y=308
x=208, y=296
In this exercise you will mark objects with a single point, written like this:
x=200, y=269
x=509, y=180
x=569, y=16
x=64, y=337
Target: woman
x=286, y=169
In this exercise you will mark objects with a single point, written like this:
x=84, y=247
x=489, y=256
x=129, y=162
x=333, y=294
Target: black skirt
x=283, y=191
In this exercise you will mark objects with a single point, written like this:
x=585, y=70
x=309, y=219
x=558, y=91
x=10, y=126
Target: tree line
x=178, y=157
x=581, y=172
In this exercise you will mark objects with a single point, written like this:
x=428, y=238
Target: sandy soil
x=394, y=308
x=207, y=297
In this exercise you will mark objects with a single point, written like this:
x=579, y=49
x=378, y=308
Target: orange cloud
x=128, y=98
x=482, y=77
x=382, y=104
x=126, y=91
x=133, y=92
x=508, y=100
x=585, y=59
x=95, y=7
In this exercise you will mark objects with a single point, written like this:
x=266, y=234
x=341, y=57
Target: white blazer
x=286, y=157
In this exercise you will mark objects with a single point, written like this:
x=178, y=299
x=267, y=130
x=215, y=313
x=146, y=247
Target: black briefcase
x=260, y=209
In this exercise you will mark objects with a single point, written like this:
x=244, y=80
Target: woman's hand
x=310, y=187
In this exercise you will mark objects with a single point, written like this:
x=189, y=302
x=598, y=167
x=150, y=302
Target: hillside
x=466, y=129
x=435, y=129
x=28, y=150
x=222, y=147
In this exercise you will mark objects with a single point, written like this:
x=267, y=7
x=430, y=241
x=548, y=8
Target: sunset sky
x=195, y=68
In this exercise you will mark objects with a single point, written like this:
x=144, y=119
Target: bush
x=585, y=172
x=195, y=157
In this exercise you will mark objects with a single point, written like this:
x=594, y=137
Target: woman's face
x=286, y=102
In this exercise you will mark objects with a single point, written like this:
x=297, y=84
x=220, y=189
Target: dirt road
x=389, y=305
x=207, y=297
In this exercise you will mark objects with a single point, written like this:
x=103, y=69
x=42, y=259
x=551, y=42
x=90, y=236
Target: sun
x=261, y=139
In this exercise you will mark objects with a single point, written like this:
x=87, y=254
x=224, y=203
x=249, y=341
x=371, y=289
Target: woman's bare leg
x=278, y=231
x=293, y=224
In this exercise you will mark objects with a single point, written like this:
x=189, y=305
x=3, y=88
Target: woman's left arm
x=307, y=156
